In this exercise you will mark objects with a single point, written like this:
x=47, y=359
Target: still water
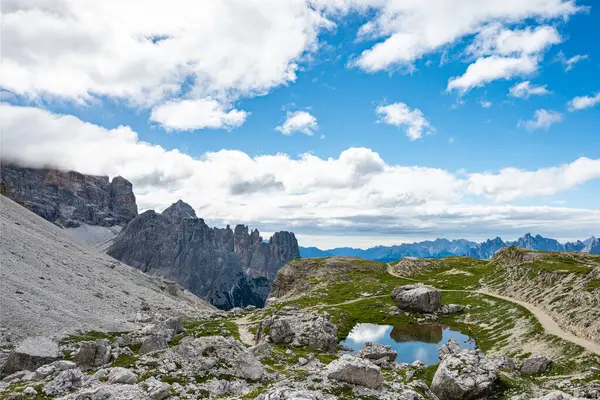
x=412, y=342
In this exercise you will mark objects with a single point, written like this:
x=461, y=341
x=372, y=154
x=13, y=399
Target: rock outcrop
x=463, y=375
x=69, y=198
x=417, y=298
x=227, y=267
x=32, y=353
x=536, y=364
x=298, y=328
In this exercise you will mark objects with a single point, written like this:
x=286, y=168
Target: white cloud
x=485, y=103
x=81, y=50
x=525, y=89
x=569, y=63
x=583, y=102
x=298, y=121
x=187, y=115
x=512, y=183
x=357, y=191
x=504, y=54
x=495, y=39
x=399, y=114
x=542, y=119
x=412, y=29
x=488, y=69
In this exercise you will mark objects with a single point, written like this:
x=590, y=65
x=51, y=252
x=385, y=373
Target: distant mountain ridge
x=440, y=248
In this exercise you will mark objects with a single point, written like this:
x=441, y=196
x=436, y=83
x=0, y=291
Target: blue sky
x=326, y=62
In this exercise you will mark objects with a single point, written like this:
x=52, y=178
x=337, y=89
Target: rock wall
x=227, y=267
x=69, y=198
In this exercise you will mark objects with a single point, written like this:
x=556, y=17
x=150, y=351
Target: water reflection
x=412, y=342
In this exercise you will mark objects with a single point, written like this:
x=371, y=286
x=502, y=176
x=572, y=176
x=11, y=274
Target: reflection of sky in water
x=412, y=342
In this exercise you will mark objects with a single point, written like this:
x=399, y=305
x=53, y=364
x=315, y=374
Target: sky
x=349, y=122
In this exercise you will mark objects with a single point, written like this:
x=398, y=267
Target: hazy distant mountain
x=440, y=248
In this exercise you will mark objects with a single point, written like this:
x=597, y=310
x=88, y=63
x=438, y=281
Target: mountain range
x=440, y=248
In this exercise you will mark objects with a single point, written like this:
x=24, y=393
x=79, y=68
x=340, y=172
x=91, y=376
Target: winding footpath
x=549, y=325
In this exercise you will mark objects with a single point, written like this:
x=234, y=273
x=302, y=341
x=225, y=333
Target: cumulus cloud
x=411, y=29
x=583, y=102
x=187, y=115
x=504, y=54
x=488, y=69
x=525, y=89
x=184, y=52
x=401, y=115
x=298, y=121
x=542, y=119
x=569, y=63
x=357, y=191
x=485, y=103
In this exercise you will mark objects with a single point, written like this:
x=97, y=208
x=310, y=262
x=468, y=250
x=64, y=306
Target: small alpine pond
x=412, y=342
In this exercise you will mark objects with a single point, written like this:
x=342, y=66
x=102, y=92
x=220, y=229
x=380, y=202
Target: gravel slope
x=53, y=284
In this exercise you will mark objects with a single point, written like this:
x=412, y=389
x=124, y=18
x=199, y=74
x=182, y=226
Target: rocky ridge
x=227, y=267
x=68, y=198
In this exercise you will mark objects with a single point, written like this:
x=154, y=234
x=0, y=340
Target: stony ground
x=53, y=284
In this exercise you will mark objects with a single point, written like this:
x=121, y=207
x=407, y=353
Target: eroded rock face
x=451, y=347
x=536, y=364
x=69, y=198
x=467, y=374
x=32, y=353
x=227, y=267
x=298, y=328
x=417, y=298
x=222, y=356
x=355, y=370
x=121, y=375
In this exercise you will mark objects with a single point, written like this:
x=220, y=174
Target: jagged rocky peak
x=178, y=211
x=70, y=198
x=227, y=267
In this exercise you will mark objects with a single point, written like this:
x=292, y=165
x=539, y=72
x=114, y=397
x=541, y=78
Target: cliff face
x=70, y=198
x=229, y=268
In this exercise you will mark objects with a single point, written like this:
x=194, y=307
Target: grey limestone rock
x=377, y=351
x=299, y=328
x=121, y=375
x=223, y=356
x=156, y=389
x=451, y=347
x=153, y=343
x=467, y=374
x=63, y=382
x=32, y=353
x=536, y=364
x=69, y=198
x=287, y=393
x=355, y=370
x=417, y=298
x=92, y=354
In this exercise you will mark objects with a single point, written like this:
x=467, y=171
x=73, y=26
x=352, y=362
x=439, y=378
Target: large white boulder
x=355, y=370
x=417, y=298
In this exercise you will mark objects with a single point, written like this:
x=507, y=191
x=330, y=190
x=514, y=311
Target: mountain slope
x=52, y=284
x=227, y=267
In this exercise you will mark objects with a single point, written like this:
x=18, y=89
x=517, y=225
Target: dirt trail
x=549, y=325
x=246, y=336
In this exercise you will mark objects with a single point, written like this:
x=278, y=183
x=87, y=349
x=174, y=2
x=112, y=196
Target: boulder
x=156, y=389
x=29, y=391
x=122, y=375
x=467, y=374
x=286, y=393
x=225, y=356
x=556, y=395
x=375, y=352
x=298, y=328
x=504, y=363
x=153, y=343
x=451, y=347
x=536, y=364
x=52, y=369
x=417, y=298
x=450, y=309
x=355, y=370
x=31, y=354
x=262, y=350
x=92, y=354
x=63, y=382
